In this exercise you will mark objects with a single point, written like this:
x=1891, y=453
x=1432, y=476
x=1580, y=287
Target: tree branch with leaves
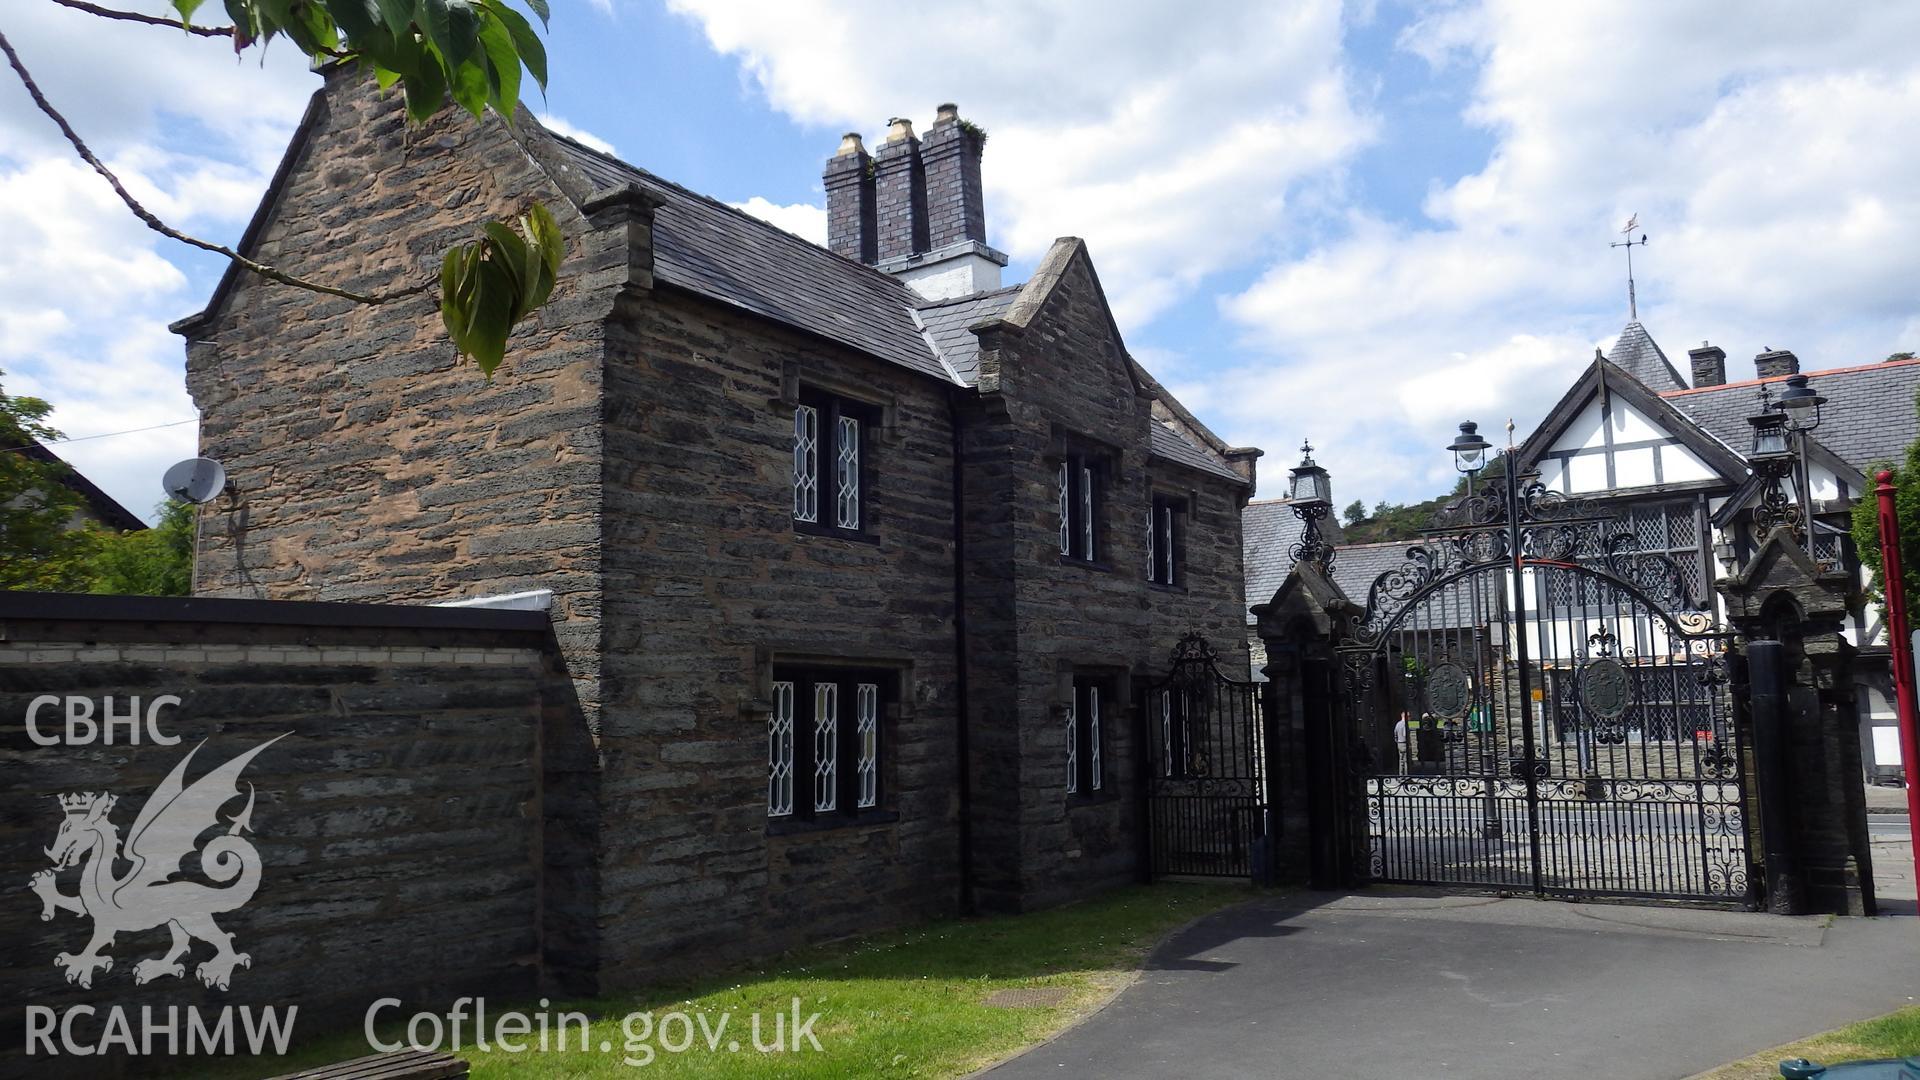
x=471, y=52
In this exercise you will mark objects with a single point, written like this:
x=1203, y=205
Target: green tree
x=1906, y=508
x=40, y=548
x=469, y=51
x=151, y=562
x=1355, y=513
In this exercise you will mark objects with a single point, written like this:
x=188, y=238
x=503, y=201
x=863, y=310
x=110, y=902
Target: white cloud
x=560, y=126
x=1769, y=158
x=804, y=220
x=1172, y=137
x=195, y=135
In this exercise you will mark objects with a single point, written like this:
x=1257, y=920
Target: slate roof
x=1173, y=446
x=947, y=322
x=1357, y=566
x=105, y=508
x=1268, y=531
x=705, y=246
x=1636, y=353
x=1869, y=417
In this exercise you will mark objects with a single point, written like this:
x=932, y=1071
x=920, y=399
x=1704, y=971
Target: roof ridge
x=1854, y=370
x=728, y=208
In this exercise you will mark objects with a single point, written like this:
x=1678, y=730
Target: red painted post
x=1900, y=639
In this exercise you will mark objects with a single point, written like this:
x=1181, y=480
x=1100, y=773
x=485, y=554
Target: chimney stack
x=915, y=209
x=1709, y=365
x=900, y=186
x=850, y=206
x=956, y=207
x=1776, y=362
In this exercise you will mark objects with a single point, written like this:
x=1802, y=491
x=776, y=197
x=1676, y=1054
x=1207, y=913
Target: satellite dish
x=197, y=480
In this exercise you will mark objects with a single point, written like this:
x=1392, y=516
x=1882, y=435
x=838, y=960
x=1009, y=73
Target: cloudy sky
x=1359, y=223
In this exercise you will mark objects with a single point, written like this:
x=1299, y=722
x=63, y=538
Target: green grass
x=906, y=1003
x=1894, y=1035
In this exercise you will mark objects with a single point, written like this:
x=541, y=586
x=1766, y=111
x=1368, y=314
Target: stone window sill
x=797, y=826
x=858, y=536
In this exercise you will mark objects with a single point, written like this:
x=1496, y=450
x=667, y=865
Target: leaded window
x=780, y=751
x=1086, y=737
x=1166, y=540
x=830, y=473
x=825, y=738
x=1079, y=481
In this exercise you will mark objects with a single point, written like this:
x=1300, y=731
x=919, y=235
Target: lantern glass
x=1311, y=485
x=1769, y=437
x=1469, y=449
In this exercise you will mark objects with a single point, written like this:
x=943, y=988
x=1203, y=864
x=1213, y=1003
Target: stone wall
x=709, y=586
x=403, y=818
x=1060, y=383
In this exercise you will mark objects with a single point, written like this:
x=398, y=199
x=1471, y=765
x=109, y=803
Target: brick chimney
x=1775, y=362
x=1709, y=365
x=851, y=223
x=956, y=208
x=900, y=187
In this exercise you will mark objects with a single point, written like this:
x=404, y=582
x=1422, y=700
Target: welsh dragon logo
x=167, y=830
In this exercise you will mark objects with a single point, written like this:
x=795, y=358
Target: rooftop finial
x=1633, y=304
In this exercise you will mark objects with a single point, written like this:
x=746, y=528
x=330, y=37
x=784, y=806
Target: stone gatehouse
x=855, y=554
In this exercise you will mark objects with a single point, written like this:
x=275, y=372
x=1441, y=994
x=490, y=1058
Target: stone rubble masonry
x=635, y=456
x=410, y=827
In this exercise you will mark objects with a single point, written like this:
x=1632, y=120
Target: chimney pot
x=948, y=113
x=1709, y=365
x=1774, y=363
x=899, y=128
x=850, y=144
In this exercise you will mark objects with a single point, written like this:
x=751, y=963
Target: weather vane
x=1633, y=305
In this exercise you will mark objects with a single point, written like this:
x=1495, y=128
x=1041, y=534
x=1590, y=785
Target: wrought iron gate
x=1206, y=777
x=1535, y=705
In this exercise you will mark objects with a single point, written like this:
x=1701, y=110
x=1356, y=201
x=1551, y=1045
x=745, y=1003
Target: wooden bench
x=398, y=1065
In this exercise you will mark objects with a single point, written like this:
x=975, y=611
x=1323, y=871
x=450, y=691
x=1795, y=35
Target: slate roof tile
x=1869, y=417
x=1636, y=353
x=1173, y=446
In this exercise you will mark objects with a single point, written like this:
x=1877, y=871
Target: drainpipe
x=964, y=717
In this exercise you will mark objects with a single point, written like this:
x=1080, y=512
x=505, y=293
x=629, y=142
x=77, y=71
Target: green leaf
x=397, y=14
x=436, y=22
x=539, y=7
x=426, y=91
x=527, y=43
x=186, y=8
x=359, y=20
x=470, y=85
x=503, y=62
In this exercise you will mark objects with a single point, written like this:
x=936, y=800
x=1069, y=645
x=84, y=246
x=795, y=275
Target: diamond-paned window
x=1085, y=737
x=1166, y=539
x=847, y=474
x=826, y=739
x=1079, y=484
x=780, y=752
x=867, y=739
x=831, y=473
x=826, y=746
x=806, y=463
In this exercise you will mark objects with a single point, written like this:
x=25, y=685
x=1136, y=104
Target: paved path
x=1379, y=984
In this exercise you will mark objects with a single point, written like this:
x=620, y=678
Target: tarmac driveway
x=1380, y=984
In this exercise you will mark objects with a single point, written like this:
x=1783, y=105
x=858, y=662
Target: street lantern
x=1310, y=497
x=1802, y=404
x=1770, y=443
x=1469, y=449
x=1311, y=488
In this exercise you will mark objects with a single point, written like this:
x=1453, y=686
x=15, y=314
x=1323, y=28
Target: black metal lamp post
x=1470, y=456
x=1310, y=495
